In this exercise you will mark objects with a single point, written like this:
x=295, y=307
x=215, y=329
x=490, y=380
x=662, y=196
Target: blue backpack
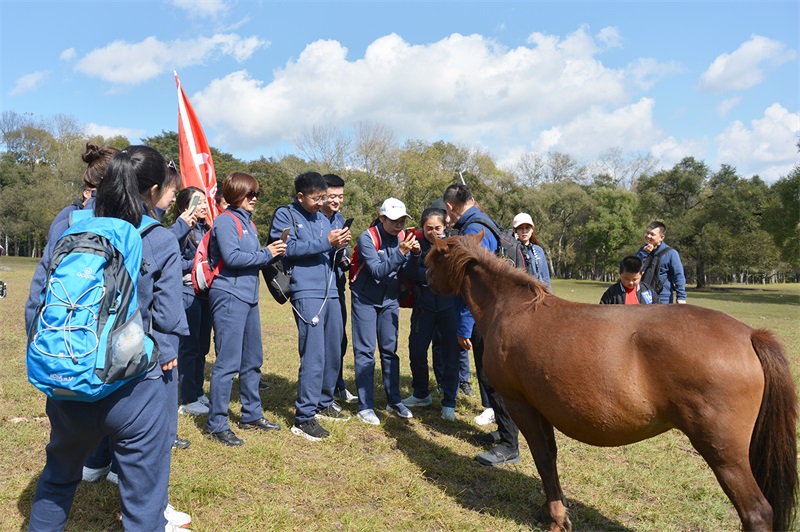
x=87, y=338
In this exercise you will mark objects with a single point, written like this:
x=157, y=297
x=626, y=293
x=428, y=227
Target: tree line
x=728, y=228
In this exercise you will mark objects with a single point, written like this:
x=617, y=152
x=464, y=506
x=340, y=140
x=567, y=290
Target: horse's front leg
x=541, y=439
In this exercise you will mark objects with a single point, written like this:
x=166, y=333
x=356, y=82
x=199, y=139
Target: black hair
x=432, y=212
x=184, y=197
x=659, y=225
x=127, y=181
x=334, y=180
x=310, y=182
x=630, y=264
x=457, y=194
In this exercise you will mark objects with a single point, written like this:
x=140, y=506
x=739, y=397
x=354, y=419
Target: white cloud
x=646, y=71
x=202, y=8
x=598, y=129
x=108, y=132
x=68, y=54
x=745, y=67
x=767, y=148
x=132, y=63
x=726, y=105
x=29, y=82
x=610, y=37
x=462, y=88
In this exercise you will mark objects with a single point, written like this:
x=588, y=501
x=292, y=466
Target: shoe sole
x=186, y=412
x=222, y=442
x=301, y=432
x=497, y=464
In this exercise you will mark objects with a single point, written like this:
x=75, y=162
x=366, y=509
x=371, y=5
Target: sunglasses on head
x=171, y=165
x=253, y=194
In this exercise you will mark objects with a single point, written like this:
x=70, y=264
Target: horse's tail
x=773, y=446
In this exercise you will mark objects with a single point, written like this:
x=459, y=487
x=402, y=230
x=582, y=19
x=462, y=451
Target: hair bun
x=91, y=154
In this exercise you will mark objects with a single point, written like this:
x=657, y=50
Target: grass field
x=417, y=475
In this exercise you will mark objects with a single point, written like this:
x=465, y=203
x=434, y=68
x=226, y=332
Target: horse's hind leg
x=730, y=463
x=541, y=439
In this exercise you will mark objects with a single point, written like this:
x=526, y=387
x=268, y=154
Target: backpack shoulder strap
x=376, y=237
x=662, y=252
x=78, y=215
x=147, y=224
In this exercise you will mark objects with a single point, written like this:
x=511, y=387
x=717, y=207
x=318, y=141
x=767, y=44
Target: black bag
x=508, y=247
x=275, y=274
x=651, y=271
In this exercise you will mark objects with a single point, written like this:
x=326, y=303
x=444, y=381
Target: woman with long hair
x=135, y=417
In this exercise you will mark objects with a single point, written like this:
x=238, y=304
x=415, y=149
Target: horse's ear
x=440, y=244
x=478, y=238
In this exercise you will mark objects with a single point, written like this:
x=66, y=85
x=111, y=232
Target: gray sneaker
x=331, y=414
x=400, y=410
x=413, y=401
x=346, y=396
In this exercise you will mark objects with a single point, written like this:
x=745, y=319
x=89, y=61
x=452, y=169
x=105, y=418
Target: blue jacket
x=309, y=254
x=242, y=257
x=671, y=273
x=464, y=226
x=416, y=271
x=157, y=288
x=188, y=240
x=537, y=262
x=337, y=222
x=377, y=282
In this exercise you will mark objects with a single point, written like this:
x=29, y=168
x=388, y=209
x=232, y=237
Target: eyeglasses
x=171, y=165
x=332, y=197
x=318, y=199
x=253, y=194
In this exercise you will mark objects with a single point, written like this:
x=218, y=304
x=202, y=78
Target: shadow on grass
x=502, y=491
x=746, y=295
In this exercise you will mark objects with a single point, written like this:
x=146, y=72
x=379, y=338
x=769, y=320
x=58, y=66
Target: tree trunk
x=700, y=270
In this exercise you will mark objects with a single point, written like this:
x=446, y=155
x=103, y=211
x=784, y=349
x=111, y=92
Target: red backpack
x=406, y=285
x=202, y=272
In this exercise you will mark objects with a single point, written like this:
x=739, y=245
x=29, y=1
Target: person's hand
x=189, y=217
x=649, y=247
x=407, y=244
x=172, y=364
x=277, y=248
x=416, y=248
x=339, y=238
x=465, y=343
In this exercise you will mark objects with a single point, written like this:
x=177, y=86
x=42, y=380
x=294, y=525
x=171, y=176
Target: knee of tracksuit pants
x=319, y=347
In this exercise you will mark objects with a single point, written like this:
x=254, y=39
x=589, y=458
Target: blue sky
x=714, y=80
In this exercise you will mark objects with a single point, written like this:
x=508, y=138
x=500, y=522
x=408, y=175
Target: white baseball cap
x=522, y=218
x=394, y=209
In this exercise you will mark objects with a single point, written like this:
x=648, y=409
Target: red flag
x=197, y=167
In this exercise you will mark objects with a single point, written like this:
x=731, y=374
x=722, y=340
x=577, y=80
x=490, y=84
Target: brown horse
x=612, y=375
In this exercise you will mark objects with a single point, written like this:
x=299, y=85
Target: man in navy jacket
x=671, y=270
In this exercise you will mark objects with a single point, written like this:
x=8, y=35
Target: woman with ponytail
x=136, y=418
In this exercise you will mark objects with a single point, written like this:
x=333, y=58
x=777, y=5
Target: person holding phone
x=331, y=211
x=192, y=203
x=375, y=308
x=312, y=250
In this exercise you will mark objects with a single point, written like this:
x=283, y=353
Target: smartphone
x=193, y=202
x=285, y=234
x=410, y=231
x=347, y=223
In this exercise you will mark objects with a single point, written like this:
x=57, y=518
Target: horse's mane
x=465, y=250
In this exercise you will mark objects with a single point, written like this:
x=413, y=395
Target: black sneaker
x=310, y=430
x=332, y=414
x=498, y=455
x=180, y=443
x=227, y=437
x=262, y=384
x=465, y=388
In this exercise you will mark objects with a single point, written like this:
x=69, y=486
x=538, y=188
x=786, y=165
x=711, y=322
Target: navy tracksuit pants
x=509, y=433
x=372, y=321
x=425, y=325
x=237, y=339
x=136, y=420
x=320, y=348
x=193, y=349
x=340, y=384
x=438, y=365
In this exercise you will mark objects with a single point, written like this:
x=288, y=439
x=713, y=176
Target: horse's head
x=447, y=261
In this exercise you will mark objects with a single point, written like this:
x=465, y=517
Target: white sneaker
x=93, y=475
x=400, y=410
x=175, y=518
x=448, y=413
x=368, y=416
x=486, y=417
x=113, y=478
x=413, y=401
x=193, y=409
x=204, y=399
x=346, y=396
